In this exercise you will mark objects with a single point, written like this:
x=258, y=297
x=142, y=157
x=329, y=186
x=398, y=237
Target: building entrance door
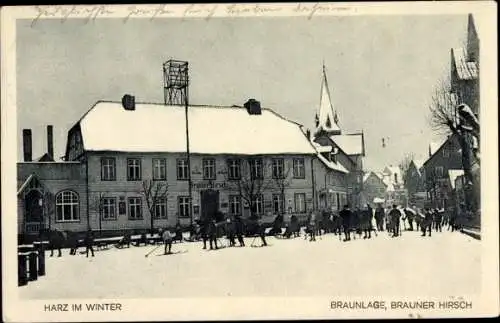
x=209, y=204
x=33, y=202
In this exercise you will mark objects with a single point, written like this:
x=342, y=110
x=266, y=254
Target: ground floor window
x=161, y=209
x=258, y=205
x=234, y=204
x=300, y=202
x=109, y=208
x=278, y=203
x=183, y=206
x=134, y=208
x=67, y=206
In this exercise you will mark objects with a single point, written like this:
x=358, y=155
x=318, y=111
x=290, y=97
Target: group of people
x=347, y=222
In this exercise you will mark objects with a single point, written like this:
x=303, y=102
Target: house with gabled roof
x=347, y=148
x=374, y=188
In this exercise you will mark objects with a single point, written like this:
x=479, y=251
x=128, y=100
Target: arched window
x=67, y=206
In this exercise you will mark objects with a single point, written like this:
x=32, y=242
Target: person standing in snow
x=167, y=237
x=346, y=215
x=89, y=242
x=379, y=217
x=312, y=226
x=395, y=215
x=367, y=222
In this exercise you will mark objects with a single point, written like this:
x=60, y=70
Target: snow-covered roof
x=321, y=149
x=453, y=174
x=332, y=165
x=365, y=177
x=351, y=144
x=419, y=163
x=212, y=130
x=435, y=145
x=465, y=70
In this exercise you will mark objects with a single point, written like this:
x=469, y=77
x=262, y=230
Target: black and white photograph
x=249, y=161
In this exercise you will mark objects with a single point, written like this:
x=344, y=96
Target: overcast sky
x=381, y=70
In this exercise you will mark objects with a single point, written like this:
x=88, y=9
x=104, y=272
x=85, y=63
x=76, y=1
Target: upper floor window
x=208, y=168
x=182, y=169
x=159, y=169
x=446, y=152
x=234, y=168
x=439, y=171
x=67, y=207
x=133, y=169
x=278, y=168
x=256, y=168
x=108, y=169
x=109, y=208
x=395, y=178
x=299, y=168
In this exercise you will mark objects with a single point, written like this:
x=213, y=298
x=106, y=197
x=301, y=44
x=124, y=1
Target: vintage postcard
x=249, y=161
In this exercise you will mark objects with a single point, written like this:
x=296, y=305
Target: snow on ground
x=443, y=265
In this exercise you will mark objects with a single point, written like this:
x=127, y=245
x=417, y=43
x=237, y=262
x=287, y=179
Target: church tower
x=326, y=117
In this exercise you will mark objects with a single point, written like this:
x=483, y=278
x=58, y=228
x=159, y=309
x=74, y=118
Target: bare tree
x=49, y=206
x=97, y=205
x=445, y=119
x=154, y=192
x=251, y=181
x=281, y=180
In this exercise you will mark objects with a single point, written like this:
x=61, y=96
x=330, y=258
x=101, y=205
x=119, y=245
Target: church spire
x=326, y=118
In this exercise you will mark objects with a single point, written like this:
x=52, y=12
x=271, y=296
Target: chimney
x=27, y=145
x=50, y=141
x=253, y=107
x=128, y=102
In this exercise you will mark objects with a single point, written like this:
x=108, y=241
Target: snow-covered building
x=330, y=180
x=348, y=149
x=243, y=160
x=374, y=188
x=414, y=183
x=441, y=159
x=396, y=192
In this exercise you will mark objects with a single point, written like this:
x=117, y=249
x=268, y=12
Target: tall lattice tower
x=176, y=82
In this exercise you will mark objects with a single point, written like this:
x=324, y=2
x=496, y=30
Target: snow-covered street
x=445, y=264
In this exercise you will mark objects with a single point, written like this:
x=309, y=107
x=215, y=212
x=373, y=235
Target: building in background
x=374, y=187
x=396, y=192
x=415, y=183
x=348, y=149
x=436, y=168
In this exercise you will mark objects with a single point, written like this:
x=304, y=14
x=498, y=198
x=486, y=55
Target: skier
x=230, y=232
x=379, y=217
x=312, y=226
x=167, y=237
x=239, y=228
x=394, y=215
x=427, y=223
x=346, y=215
x=212, y=234
x=89, y=242
x=367, y=222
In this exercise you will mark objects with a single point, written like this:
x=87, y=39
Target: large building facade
x=246, y=161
